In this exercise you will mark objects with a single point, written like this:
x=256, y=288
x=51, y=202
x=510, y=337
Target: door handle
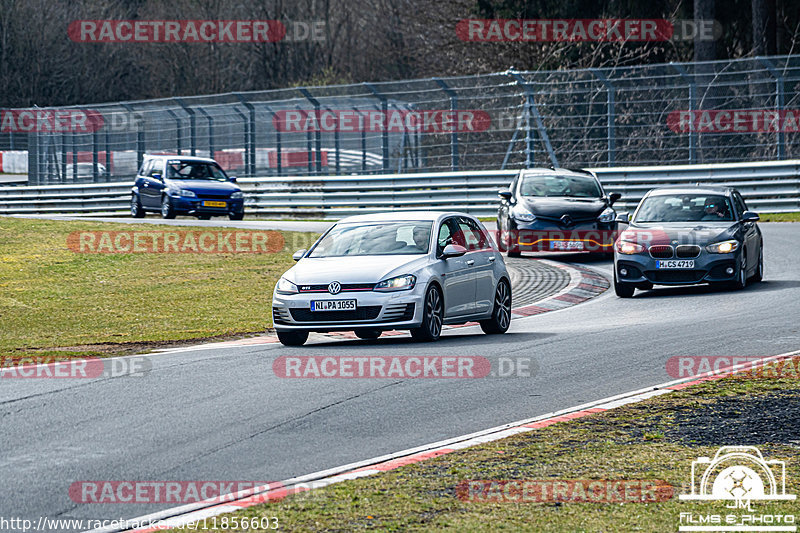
x=470, y=262
x=491, y=259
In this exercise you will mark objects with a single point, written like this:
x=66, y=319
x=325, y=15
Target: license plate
x=208, y=203
x=566, y=245
x=333, y=305
x=675, y=263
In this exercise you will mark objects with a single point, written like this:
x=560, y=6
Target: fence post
x=692, y=105
x=610, y=116
x=531, y=104
x=63, y=173
x=385, y=110
x=779, y=94
x=140, y=144
x=318, y=133
x=95, y=158
x=245, y=129
x=454, y=135
x=192, y=126
x=210, y=131
x=178, y=133
x=363, y=140
x=336, y=145
x=250, y=148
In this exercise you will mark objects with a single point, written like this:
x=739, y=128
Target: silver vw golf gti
x=394, y=271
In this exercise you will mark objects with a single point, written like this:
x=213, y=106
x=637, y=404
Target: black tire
x=292, y=338
x=167, y=210
x=511, y=248
x=137, y=211
x=501, y=314
x=204, y=217
x=759, y=274
x=623, y=290
x=432, y=316
x=741, y=274
x=368, y=334
x=236, y=216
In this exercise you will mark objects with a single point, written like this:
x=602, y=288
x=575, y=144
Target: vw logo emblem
x=335, y=287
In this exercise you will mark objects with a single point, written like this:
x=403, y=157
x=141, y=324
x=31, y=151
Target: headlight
x=629, y=248
x=187, y=193
x=237, y=194
x=607, y=215
x=400, y=283
x=523, y=215
x=284, y=286
x=724, y=247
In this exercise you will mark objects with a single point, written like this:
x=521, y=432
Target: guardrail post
x=250, y=148
x=318, y=133
x=779, y=94
x=192, y=126
x=140, y=144
x=385, y=110
x=278, y=154
x=454, y=135
x=610, y=114
x=210, y=120
x=531, y=108
x=692, y=106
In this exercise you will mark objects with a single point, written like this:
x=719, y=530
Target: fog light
x=623, y=272
x=729, y=271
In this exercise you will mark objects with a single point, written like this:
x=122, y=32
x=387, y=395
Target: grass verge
x=780, y=217
x=55, y=301
x=652, y=440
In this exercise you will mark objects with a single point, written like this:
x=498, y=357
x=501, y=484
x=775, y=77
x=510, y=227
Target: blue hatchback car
x=178, y=185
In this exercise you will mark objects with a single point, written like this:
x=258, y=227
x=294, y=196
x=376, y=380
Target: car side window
x=145, y=167
x=738, y=201
x=445, y=236
x=155, y=169
x=474, y=238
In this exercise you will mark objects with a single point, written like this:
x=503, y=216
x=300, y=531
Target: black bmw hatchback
x=556, y=210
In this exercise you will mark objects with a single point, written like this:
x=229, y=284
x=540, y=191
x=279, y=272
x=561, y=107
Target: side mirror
x=750, y=216
x=157, y=177
x=298, y=255
x=232, y=179
x=453, y=250
x=613, y=197
x=505, y=194
x=624, y=218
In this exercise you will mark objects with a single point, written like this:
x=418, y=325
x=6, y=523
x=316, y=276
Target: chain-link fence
x=713, y=112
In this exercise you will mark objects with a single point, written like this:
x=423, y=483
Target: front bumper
x=708, y=268
x=374, y=310
x=194, y=206
x=547, y=236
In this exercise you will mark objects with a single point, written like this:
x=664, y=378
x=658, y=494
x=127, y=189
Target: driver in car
x=715, y=211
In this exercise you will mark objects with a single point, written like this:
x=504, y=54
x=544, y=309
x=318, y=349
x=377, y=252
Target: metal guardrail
x=772, y=186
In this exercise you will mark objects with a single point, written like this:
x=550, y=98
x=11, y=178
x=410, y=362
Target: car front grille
x=204, y=196
x=346, y=287
x=280, y=315
x=687, y=250
x=661, y=251
x=675, y=276
x=368, y=312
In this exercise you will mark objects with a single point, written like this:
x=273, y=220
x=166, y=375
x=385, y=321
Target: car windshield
x=194, y=170
x=574, y=186
x=391, y=238
x=685, y=208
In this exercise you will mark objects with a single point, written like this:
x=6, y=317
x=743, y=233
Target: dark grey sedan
x=690, y=235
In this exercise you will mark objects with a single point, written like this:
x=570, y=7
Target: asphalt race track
x=222, y=414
